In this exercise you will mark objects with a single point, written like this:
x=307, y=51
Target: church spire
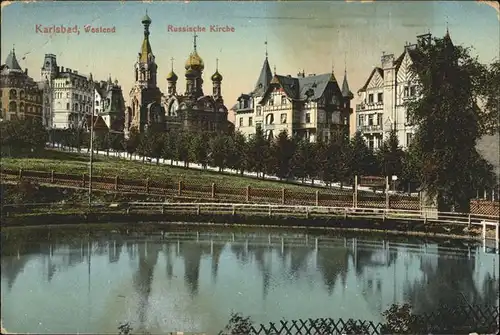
x=146, y=47
x=216, y=77
x=346, y=92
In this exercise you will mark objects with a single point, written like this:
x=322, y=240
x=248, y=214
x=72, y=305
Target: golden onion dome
x=194, y=62
x=172, y=76
x=190, y=72
x=216, y=76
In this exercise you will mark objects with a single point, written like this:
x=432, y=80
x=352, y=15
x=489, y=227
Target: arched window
x=13, y=107
x=21, y=95
x=31, y=111
x=270, y=118
x=21, y=108
x=12, y=94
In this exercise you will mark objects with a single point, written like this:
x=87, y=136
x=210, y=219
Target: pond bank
x=360, y=225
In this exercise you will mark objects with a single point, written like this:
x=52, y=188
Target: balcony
x=371, y=128
x=369, y=106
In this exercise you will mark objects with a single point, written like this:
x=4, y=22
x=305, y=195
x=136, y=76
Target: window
x=370, y=98
x=97, y=102
x=258, y=125
x=408, y=118
x=241, y=122
x=12, y=94
x=361, y=120
x=308, y=117
x=283, y=100
x=380, y=97
x=259, y=110
x=379, y=119
x=270, y=118
x=250, y=121
x=370, y=120
x=21, y=95
x=283, y=118
x=370, y=143
x=409, y=138
x=406, y=91
x=67, y=95
x=271, y=102
x=67, y=106
x=413, y=91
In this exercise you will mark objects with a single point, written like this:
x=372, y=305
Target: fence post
x=147, y=185
x=387, y=196
x=283, y=195
x=179, y=188
x=213, y=190
x=116, y=183
x=52, y=176
x=317, y=198
x=248, y=193
x=469, y=220
x=83, y=180
x=20, y=173
x=355, y=193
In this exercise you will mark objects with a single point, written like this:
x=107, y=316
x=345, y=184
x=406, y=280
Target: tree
x=258, y=152
x=219, y=151
x=488, y=86
x=156, y=143
x=169, y=146
x=238, y=152
x=132, y=142
x=448, y=122
x=182, y=148
x=198, y=148
x=282, y=149
x=143, y=146
x=390, y=156
x=362, y=158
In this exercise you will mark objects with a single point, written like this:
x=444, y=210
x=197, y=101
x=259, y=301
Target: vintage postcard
x=250, y=167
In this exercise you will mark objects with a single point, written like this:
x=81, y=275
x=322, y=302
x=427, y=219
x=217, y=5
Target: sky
x=310, y=36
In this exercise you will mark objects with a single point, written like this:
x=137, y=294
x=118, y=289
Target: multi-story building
x=109, y=104
x=21, y=96
x=384, y=94
x=311, y=107
x=72, y=94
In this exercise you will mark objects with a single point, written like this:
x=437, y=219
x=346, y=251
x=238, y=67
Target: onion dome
x=216, y=76
x=172, y=76
x=146, y=19
x=194, y=62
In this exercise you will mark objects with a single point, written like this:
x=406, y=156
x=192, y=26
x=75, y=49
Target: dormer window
x=370, y=98
x=283, y=100
x=270, y=102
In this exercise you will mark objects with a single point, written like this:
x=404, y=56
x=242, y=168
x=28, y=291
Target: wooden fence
x=170, y=188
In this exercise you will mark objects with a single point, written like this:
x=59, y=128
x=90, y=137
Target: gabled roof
x=99, y=123
x=380, y=72
x=302, y=88
x=265, y=77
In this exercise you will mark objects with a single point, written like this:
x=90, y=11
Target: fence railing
x=444, y=320
x=171, y=188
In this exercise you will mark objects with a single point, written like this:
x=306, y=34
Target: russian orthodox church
x=192, y=110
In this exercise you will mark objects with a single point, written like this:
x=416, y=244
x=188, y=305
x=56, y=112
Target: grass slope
x=75, y=163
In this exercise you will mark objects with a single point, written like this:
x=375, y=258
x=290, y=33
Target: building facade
x=312, y=107
x=384, y=94
x=109, y=104
x=21, y=96
x=72, y=94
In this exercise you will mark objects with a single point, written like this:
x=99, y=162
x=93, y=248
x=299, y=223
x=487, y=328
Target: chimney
x=289, y=76
x=26, y=71
x=76, y=72
x=62, y=68
x=387, y=60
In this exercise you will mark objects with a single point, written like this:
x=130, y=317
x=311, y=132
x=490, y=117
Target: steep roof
x=346, y=92
x=303, y=88
x=11, y=61
x=265, y=78
x=380, y=72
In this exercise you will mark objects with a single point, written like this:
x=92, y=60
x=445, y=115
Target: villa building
x=311, y=107
x=384, y=94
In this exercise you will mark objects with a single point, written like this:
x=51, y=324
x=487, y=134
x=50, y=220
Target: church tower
x=145, y=96
x=216, y=83
x=194, y=70
x=49, y=68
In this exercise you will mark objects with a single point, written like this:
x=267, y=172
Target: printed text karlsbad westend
x=61, y=29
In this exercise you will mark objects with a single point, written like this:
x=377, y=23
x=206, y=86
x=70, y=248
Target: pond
x=68, y=280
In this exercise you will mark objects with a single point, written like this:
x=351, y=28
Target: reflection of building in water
x=333, y=265
x=148, y=257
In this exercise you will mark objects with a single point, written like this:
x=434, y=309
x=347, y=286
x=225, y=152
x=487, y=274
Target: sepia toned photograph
x=250, y=167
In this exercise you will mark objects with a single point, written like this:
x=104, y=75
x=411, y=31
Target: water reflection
x=192, y=280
